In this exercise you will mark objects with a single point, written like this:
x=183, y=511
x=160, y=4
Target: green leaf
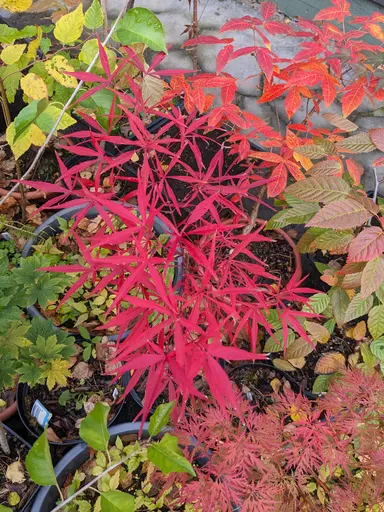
x=320, y=189
x=140, y=25
x=84, y=333
x=45, y=45
x=11, y=77
x=277, y=345
x=160, y=418
x=330, y=325
x=90, y=49
x=93, y=428
x=317, y=303
x=358, y=307
x=39, y=462
x=8, y=34
x=305, y=243
x=47, y=119
x=167, y=456
x=380, y=293
x=322, y=383
x=340, y=303
x=5, y=509
x=94, y=17
x=377, y=348
x=117, y=501
x=332, y=240
x=28, y=116
x=376, y=321
x=368, y=356
x=299, y=214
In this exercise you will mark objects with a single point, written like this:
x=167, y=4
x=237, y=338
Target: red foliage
x=264, y=461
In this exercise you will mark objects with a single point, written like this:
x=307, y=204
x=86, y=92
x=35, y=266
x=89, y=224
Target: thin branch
x=66, y=106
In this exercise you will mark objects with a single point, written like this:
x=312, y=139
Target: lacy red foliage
x=265, y=461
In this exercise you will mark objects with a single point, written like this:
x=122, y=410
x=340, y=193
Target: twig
x=8, y=120
x=72, y=97
x=255, y=212
x=195, y=22
x=375, y=191
x=94, y=481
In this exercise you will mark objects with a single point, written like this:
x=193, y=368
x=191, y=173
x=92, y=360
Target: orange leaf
x=279, y=177
x=330, y=363
x=354, y=95
x=338, y=12
x=329, y=90
x=292, y=102
x=271, y=92
x=359, y=331
x=355, y=170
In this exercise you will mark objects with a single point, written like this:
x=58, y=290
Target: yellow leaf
x=330, y=362
x=55, y=68
x=16, y=5
x=283, y=365
x=13, y=499
x=37, y=136
x=70, y=27
x=34, y=45
x=317, y=332
x=359, y=331
x=56, y=372
x=351, y=293
x=353, y=359
x=34, y=86
x=12, y=53
x=22, y=144
x=304, y=160
x=297, y=414
x=275, y=385
x=321, y=495
x=297, y=362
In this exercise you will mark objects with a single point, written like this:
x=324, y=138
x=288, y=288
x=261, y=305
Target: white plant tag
x=115, y=393
x=41, y=414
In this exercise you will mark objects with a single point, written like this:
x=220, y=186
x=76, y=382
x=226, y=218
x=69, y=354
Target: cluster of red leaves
x=264, y=461
x=176, y=327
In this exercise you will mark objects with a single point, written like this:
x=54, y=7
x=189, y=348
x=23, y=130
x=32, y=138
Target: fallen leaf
x=298, y=362
x=82, y=371
x=330, y=363
x=353, y=359
x=283, y=365
x=297, y=414
x=34, y=218
x=317, y=332
x=275, y=385
x=359, y=331
x=52, y=436
x=15, y=473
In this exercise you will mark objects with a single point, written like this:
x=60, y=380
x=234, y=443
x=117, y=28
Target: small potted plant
x=60, y=381
x=115, y=468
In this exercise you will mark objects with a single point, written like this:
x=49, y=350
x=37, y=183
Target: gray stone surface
x=174, y=26
x=177, y=59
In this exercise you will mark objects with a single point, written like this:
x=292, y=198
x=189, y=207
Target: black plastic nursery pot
x=295, y=386
x=47, y=497
x=51, y=227
x=22, y=393
x=26, y=501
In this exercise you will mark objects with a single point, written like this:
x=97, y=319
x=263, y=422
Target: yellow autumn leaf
x=34, y=45
x=22, y=144
x=359, y=331
x=16, y=5
x=34, y=86
x=303, y=160
x=351, y=293
x=12, y=53
x=37, y=136
x=297, y=414
x=70, y=27
x=56, y=66
x=317, y=332
x=56, y=372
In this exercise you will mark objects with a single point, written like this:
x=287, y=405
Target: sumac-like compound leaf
x=340, y=215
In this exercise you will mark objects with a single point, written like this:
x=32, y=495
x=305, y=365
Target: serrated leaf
x=377, y=348
x=377, y=137
x=306, y=241
x=358, y=307
x=311, y=151
x=376, y=321
x=167, y=456
x=330, y=362
x=341, y=122
x=11, y=54
x=340, y=303
x=152, y=89
x=322, y=382
x=330, y=325
x=34, y=86
x=299, y=349
x=11, y=77
x=360, y=143
x=380, y=293
x=326, y=168
x=70, y=26
x=334, y=241
x=340, y=215
x=93, y=428
x=317, y=303
x=117, y=501
x=368, y=357
x=94, y=17
x=56, y=372
x=317, y=332
x=297, y=215
x=282, y=364
x=140, y=25
x=367, y=245
x=320, y=189
x=46, y=120
x=8, y=34
x=160, y=418
x=39, y=462
x=298, y=362
x=372, y=277
x=355, y=170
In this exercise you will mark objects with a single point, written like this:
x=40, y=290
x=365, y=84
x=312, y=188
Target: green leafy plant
x=114, y=466
x=39, y=68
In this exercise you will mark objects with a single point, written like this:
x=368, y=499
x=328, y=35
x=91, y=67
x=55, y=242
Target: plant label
x=41, y=414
